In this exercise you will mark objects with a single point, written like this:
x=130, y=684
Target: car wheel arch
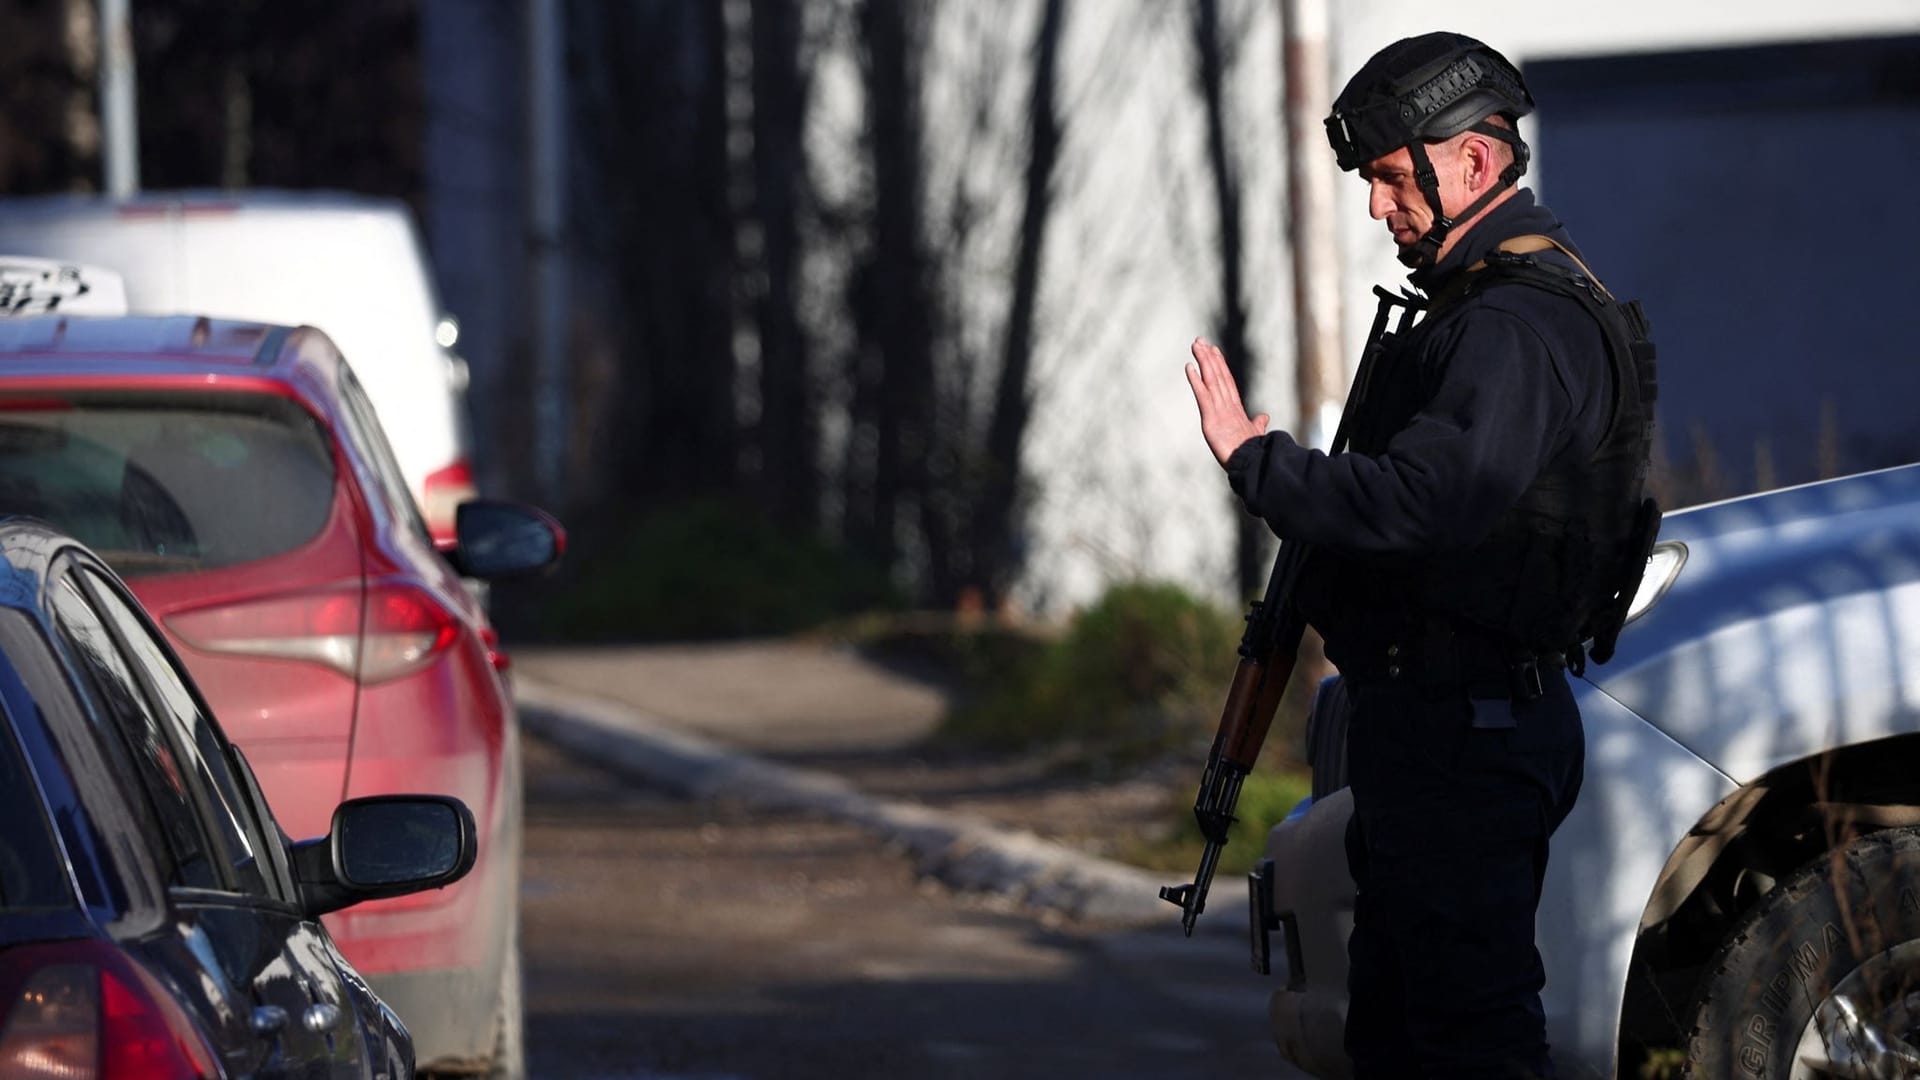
x=1739, y=852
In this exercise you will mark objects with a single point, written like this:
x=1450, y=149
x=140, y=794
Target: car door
x=227, y=879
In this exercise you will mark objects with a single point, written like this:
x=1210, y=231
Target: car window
x=117, y=863
x=32, y=873
x=201, y=745
x=150, y=480
x=167, y=775
x=371, y=439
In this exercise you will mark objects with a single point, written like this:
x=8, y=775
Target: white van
x=351, y=265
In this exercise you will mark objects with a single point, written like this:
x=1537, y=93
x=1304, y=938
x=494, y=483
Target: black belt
x=1437, y=658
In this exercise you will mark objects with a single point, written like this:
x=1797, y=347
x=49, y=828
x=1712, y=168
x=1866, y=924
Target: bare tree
x=233, y=92
x=893, y=399
x=788, y=431
x=943, y=413
x=995, y=516
x=241, y=93
x=1211, y=62
x=49, y=134
x=653, y=93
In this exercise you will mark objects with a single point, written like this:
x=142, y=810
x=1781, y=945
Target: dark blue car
x=155, y=923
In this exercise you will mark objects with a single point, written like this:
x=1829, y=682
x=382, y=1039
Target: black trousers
x=1453, y=803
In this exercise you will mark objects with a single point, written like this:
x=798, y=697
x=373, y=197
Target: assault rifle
x=1268, y=651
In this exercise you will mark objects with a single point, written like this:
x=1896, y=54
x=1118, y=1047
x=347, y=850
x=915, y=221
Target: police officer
x=1464, y=543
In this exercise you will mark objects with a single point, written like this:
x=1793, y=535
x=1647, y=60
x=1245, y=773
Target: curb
x=960, y=850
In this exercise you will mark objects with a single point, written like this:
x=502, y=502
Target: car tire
x=509, y=1022
x=1843, y=929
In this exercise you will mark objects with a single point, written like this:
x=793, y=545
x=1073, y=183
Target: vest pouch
x=1524, y=592
x=1611, y=617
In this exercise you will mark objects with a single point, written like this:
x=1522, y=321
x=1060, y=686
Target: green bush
x=967, y=656
x=1139, y=672
x=1266, y=799
x=704, y=570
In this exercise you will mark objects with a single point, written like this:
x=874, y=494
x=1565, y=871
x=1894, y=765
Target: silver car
x=1739, y=885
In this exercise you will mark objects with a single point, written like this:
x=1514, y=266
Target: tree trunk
x=1210, y=74
x=658, y=76
x=788, y=428
x=996, y=516
x=897, y=286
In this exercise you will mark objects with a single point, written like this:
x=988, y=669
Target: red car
x=235, y=476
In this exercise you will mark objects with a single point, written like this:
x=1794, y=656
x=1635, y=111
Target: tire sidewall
x=1795, y=946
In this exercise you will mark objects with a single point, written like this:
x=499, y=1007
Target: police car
x=1739, y=885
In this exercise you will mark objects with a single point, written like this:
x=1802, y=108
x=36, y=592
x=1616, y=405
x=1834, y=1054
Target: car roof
x=198, y=201
x=137, y=346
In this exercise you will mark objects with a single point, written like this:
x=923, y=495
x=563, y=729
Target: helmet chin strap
x=1426, y=250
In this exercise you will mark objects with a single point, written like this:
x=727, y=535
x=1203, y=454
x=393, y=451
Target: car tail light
x=84, y=1011
x=496, y=656
x=445, y=490
x=406, y=629
x=398, y=629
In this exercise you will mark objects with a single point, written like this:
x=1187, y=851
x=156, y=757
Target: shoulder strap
x=1630, y=352
x=1534, y=242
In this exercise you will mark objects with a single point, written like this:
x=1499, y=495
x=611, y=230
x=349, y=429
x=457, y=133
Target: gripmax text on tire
x=1848, y=920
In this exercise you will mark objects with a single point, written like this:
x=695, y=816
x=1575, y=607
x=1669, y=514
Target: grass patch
x=1266, y=799
x=1136, y=675
x=1135, y=680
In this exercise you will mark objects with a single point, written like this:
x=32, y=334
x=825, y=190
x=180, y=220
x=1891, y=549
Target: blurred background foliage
x=1137, y=673
x=811, y=321
x=1131, y=684
x=808, y=244
x=704, y=569
x=234, y=94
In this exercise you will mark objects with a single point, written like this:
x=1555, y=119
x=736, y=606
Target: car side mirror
x=384, y=846
x=499, y=539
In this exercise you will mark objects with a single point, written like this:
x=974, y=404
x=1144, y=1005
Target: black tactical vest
x=1540, y=580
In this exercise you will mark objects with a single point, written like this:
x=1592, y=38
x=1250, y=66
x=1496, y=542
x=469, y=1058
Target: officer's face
x=1466, y=165
x=1394, y=197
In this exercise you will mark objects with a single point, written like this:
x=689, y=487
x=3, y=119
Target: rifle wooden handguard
x=1252, y=700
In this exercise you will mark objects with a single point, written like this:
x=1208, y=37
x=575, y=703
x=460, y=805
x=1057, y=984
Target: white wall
x=1524, y=31
x=1128, y=486
x=1124, y=486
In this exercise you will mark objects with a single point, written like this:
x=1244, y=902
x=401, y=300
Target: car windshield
x=32, y=876
x=159, y=482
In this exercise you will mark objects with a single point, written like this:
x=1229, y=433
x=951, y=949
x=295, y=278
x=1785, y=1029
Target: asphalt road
x=669, y=939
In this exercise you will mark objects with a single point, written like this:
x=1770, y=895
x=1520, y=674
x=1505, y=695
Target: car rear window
x=32, y=877
x=158, y=482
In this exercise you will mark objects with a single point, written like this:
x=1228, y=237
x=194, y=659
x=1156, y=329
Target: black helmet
x=1425, y=89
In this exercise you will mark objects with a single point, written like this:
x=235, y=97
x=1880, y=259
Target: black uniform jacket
x=1470, y=406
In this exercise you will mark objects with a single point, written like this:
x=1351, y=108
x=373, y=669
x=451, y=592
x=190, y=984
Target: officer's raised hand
x=1223, y=419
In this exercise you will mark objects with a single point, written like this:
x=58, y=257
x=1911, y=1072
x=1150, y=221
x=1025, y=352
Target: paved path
x=784, y=697
x=681, y=939
x=625, y=709
x=734, y=728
